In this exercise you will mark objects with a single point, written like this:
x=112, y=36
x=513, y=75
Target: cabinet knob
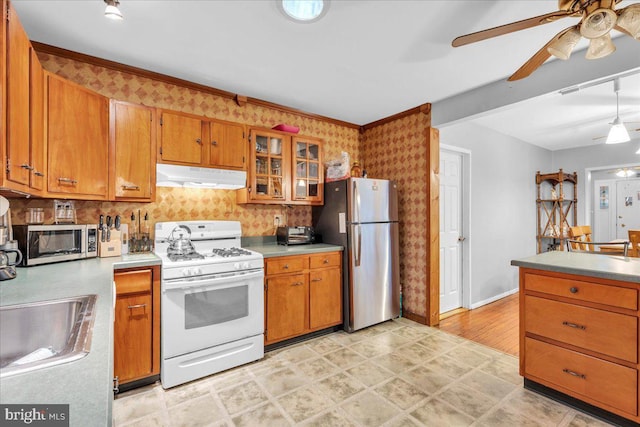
x=214, y=143
x=286, y=266
x=326, y=261
x=573, y=290
x=199, y=141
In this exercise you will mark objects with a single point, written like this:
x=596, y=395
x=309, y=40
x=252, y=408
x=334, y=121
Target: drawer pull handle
x=574, y=374
x=130, y=187
x=573, y=290
x=326, y=261
x=318, y=279
x=286, y=266
x=296, y=284
x=68, y=180
x=136, y=306
x=574, y=325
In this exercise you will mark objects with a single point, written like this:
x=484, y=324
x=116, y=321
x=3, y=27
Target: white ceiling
x=363, y=61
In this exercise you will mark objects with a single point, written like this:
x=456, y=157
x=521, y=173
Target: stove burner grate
x=185, y=257
x=228, y=252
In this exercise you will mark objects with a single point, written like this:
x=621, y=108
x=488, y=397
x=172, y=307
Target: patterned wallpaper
x=398, y=151
x=188, y=204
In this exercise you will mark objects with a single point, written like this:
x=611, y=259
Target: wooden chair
x=634, y=245
x=579, y=234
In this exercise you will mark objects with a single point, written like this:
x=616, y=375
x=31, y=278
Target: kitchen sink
x=46, y=333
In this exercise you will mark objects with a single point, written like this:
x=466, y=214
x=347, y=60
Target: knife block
x=111, y=248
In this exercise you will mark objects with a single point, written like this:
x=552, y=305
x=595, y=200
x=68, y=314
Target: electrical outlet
x=278, y=220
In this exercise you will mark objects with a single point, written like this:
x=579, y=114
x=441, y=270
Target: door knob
x=622, y=225
x=461, y=239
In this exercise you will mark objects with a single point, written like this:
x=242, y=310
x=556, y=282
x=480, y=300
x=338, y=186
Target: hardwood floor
x=494, y=325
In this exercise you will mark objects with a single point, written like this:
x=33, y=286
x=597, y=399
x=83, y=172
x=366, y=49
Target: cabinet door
x=132, y=345
x=181, y=138
x=78, y=140
x=325, y=298
x=268, y=166
x=287, y=299
x=36, y=94
x=227, y=146
x=307, y=179
x=18, y=58
x=133, y=147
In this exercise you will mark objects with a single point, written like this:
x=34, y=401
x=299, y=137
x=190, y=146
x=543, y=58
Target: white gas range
x=212, y=299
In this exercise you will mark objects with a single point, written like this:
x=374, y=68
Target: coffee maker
x=10, y=255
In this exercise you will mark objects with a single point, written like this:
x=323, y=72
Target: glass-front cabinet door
x=308, y=173
x=268, y=166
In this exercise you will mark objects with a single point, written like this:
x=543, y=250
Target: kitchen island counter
x=595, y=265
x=85, y=384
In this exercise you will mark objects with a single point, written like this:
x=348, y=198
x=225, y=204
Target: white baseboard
x=494, y=298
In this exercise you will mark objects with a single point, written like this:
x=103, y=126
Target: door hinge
x=160, y=150
x=249, y=189
x=116, y=385
x=249, y=138
x=243, y=135
x=243, y=160
x=265, y=287
x=8, y=163
x=161, y=121
x=150, y=116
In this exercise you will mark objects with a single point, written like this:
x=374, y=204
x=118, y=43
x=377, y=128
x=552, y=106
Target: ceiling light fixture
x=112, y=11
x=618, y=133
x=562, y=47
x=638, y=152
x=625, y=173
x=629, y=20
x=600, y=47
x=305, y=11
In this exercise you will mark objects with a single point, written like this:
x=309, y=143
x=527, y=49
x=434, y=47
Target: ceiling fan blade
x=537, y=59
x=510, y=28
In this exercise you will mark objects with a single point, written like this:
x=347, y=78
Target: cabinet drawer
x=583, y=291
x=329, y=259
x=286, y=264
x=585, y=376
x=602, y=331
x=129, y=282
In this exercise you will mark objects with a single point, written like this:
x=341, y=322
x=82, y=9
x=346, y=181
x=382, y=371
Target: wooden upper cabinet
x=18, y=60
x=78, y=140
x=37, y=124
x=181, y=139
x=227, y=148
x=132, y=151
x=307, y=181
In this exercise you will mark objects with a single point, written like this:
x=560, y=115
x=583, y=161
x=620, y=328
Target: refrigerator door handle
x=358, y=248
x=356, y=203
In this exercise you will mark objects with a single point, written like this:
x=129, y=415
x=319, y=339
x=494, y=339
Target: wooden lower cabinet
x=303, y=294
x=137, y=324
x=579, y=336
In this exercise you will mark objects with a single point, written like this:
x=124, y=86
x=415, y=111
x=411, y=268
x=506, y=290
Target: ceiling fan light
x=600, y=47
x=625, y=173
x=598, y=23
x=629, y=20
x=112, y=11
x=618, y=133
x=562, y=47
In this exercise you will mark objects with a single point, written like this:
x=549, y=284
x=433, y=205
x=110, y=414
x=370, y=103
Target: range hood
x=194, y=177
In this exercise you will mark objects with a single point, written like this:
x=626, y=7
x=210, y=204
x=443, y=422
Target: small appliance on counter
x=45, y=244
x=301, y=235
x=7, y=244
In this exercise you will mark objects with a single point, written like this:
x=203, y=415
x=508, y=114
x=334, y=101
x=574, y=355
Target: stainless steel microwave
x=44, y=244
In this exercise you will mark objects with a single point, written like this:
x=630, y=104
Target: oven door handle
x=197, y=282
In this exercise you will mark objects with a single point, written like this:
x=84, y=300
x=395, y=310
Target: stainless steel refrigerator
x=362, y=215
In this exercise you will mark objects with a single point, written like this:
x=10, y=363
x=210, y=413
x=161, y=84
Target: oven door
x=204, y=311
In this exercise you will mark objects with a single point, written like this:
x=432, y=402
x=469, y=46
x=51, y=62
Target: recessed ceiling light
x=304, y=10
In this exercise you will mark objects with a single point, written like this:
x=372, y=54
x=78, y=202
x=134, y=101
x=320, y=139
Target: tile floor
x=398, y=373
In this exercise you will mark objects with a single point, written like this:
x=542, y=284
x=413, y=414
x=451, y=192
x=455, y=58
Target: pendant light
x=563, y=46
x=618, y=132
x=629, y=20
x=112, y=11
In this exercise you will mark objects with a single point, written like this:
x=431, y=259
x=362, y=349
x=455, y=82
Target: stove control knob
x=236, y=266
x=185, y=272
x=197, y=271
x=245, y=265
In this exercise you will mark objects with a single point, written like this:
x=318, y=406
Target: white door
x=451, y=236
x=628, y=207
x=604, y=210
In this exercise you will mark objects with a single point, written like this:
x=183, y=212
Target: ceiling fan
x=598, y=18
